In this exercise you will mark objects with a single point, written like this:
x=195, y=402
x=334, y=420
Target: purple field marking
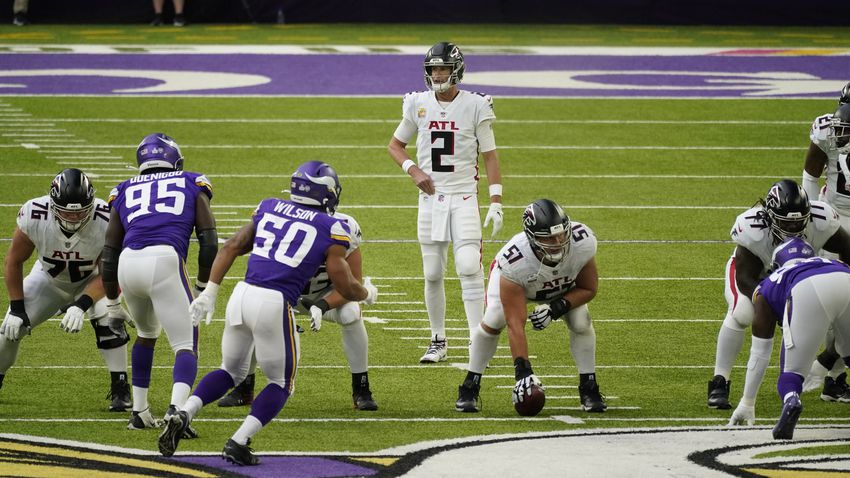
x=288, y=466
x=394, y=75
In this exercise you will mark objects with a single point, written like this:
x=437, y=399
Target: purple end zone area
x=288, y=466
x=721, y=76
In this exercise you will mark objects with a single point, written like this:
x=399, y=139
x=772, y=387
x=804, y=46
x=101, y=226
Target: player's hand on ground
x=743, y=414
x=523, y=387
x=494, y=215
x=72, y=322
x=15, y=326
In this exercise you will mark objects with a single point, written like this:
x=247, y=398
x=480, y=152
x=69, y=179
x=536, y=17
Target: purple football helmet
x=792, y=250
x=315, y=183
x=159, y=150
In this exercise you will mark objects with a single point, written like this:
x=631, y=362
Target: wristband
x=200, y=285
x=113, y=302
x=17, y=306
x=322, y=304
x=84, y=302
x=495, y=189
x=522, y=368
x=407, y=164
x=559, y=308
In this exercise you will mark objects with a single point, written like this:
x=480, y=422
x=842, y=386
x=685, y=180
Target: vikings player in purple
x=805, y=295
x=288, y=241
x=147, y=242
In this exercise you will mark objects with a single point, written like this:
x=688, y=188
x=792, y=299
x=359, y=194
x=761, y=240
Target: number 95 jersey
x=542, y=283
x=68, y=260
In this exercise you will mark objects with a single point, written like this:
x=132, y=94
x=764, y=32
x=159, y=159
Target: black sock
x=827, y=359
x=473, y=378
x=118, y=376
x=249, y=381
x=586, y=377
x=2, y=376
x=360, y=381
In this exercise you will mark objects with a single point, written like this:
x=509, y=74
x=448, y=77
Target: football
x=532, y=404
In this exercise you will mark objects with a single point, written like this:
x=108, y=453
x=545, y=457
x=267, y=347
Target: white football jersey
x=752, y=232
x=446, y=145
x=68, y=260
x=542, y=283
x=837, y=166
x=320, y=284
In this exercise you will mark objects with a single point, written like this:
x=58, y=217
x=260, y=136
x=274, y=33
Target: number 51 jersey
x=543, y=283
x=159, y=209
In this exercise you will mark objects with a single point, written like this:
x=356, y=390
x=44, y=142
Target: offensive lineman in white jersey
x=451, y=126
x=552, y=262
x=829, y=150
x=785, y=212
x=322, y=303
x=66, y=229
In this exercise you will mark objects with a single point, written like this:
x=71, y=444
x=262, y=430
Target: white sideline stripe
x=660, y=279
x=36, y=135
x=512, y=377
x=33, y=130
x=579, y=409
x=416, y=366
x=396, y=121
x=528, y=147
x=547, y=387
x=399, y=176
x=33, y=124
x=572, y=397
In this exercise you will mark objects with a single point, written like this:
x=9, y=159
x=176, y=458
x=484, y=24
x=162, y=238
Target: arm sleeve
x=405, y=131
x=486, y=138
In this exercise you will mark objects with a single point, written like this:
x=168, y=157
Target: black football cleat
x=835, y=389
x=791, y=409
x=718, y=393
x=591, y=400
x=175, y=426
x=119, y=394
x=239, y=454
x=241, y=395
x=468, y=400
x=363, y=400
x=189, y=433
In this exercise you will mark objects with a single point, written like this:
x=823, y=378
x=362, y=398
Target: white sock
x=116, y=359
x=140, y=399
x=192, y=406
x=355, y=343
x=249, y=428
x=583, y=348
x=435, y=303
x=179, y=394
x=482, y=349
x=729, y=344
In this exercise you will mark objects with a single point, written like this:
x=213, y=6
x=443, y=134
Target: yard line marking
x=521, y=148
x=547, y=387
x=417, y=366
x=36, y=135
x=580, y=409
x=396, y=121
x=512, y=377
x=91, y=157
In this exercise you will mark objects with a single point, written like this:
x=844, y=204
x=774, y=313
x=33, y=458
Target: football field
x=656, y=149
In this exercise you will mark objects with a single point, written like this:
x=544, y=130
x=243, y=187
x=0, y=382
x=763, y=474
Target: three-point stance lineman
x=552, y=262
x=288, y=242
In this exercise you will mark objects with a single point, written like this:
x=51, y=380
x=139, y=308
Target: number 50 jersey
x=159, y=209
x=542, y=283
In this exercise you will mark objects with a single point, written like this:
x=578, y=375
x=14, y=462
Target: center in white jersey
x=446, y=143
x=543, y=283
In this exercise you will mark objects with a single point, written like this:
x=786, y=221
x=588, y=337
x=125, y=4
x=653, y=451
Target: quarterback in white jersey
x=552, y=263
x=66, y=230
x=451, y=127
x=785, y=212
x=321, y=302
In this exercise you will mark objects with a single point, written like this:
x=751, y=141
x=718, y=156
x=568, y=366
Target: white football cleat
x=437, y=351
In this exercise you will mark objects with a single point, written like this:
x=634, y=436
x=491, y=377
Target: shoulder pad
x=824, y=217
x=820, y=129
x=749, y=228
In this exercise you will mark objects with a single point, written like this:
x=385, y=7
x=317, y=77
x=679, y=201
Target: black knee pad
x=110, y=338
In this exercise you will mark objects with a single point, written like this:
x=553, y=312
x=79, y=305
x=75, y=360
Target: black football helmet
x=548, y=230
x=839, y=132
x=72, y=200
x=787, y=210
x=845, y=95
x=444, y=54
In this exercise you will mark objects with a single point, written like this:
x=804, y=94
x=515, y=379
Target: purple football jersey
x=290, y=244
x=159, y=208
x=776, y=288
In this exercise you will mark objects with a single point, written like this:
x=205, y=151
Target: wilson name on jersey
x=837, y=166
x=68, y=260
x=446, y=144
x=752, y=232
x=543, y=283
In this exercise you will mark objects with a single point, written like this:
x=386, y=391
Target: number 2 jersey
x=837, y=166
x=68, y=260
x=159, y=209
x=752, y=232
x=543, y=283
x=290, y=244
x=446, y=144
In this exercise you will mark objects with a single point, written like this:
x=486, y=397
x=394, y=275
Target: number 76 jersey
x=543, y=283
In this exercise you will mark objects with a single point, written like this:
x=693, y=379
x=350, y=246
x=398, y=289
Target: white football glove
x=523, y=387
x=743, y=413
x=494, y=213
x=73, y=320
x=541, y=316
x=315, y=318
x=204, y=305
x=14, y=326
x=371, y=292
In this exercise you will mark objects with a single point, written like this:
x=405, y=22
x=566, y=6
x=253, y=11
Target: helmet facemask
x=839, y=135
x=791, y=225
x=445, y=55
x=73, y=217
x=72, y=200
x=440, y=87
x=552, y=247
